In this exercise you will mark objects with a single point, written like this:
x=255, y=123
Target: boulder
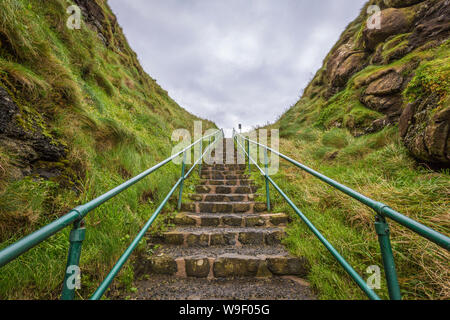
x=426, y=131
x=400, y=3
x=233, y=265
x=393, y=21
x=343, y=64
x=387, y=84
x=197, y=267
x=388, y=105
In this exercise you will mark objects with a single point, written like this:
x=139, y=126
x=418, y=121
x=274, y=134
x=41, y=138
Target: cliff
x=78, y=116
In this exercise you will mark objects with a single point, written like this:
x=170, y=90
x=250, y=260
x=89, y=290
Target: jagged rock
x=433, y=24
x=197, y=267
x=233, y=265
x=26, y=141
x=163, y=265
x=405, y=119
x=183, y=219
x=393, y=21
x=95, y=18
x=425, y=131
x=343, y=64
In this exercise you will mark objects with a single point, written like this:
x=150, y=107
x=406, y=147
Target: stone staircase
x=225, y=246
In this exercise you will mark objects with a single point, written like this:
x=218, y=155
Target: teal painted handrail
x=76, y=216
x=382, y=229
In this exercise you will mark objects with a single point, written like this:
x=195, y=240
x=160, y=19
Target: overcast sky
x=234, y=61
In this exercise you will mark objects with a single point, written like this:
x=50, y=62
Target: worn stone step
x=212, y=189
x=218, y=197
x=225, y=182
x=216, y=236
x=231, y=220
x=224, y=167
x=226, y=171
x=221, y=176
x=261, y=262
x=224, y=207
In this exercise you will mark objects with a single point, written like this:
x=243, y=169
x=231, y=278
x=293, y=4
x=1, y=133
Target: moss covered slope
x=78, y=117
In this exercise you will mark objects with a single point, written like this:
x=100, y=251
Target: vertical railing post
x=183, y=166
x=382, y=229
x=266, y=165
x=248, y=152
x=72, y=278
x=201, y=160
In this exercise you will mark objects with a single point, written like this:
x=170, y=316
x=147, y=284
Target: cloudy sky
x=234, y=61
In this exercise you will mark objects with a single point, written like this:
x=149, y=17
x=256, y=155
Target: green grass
x=329, y=136
x=115, y=121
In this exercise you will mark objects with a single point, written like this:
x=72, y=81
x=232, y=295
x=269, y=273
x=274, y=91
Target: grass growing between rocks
x=378, y=166
x=116, y=121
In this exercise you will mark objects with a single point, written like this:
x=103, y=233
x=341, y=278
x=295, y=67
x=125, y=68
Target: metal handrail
x=381, y=226
x=76, y=216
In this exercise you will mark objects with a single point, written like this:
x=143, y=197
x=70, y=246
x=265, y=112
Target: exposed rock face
x=95, y=18
x=408, y=28
x=400, y=3
x=28, y=144
x=433, y=24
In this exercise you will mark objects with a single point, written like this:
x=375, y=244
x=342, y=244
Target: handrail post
x=72, y=277
x=183, y=166
x=382, y=229
x=266, y=165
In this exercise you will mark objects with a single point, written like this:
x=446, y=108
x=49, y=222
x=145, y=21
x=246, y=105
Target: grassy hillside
x=382, y=144
x=85, y=117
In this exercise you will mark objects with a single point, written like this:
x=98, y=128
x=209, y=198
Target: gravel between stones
x=171, y=288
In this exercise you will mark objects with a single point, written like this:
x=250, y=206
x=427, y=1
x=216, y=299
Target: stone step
x=217, y=236
x=250, y=288
x=217, y=197
x=211, y=189
x=231, y=220
x=223, y=262
x=225, y=170
x=221, y=176
x=224, y=182
x=224, y=207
